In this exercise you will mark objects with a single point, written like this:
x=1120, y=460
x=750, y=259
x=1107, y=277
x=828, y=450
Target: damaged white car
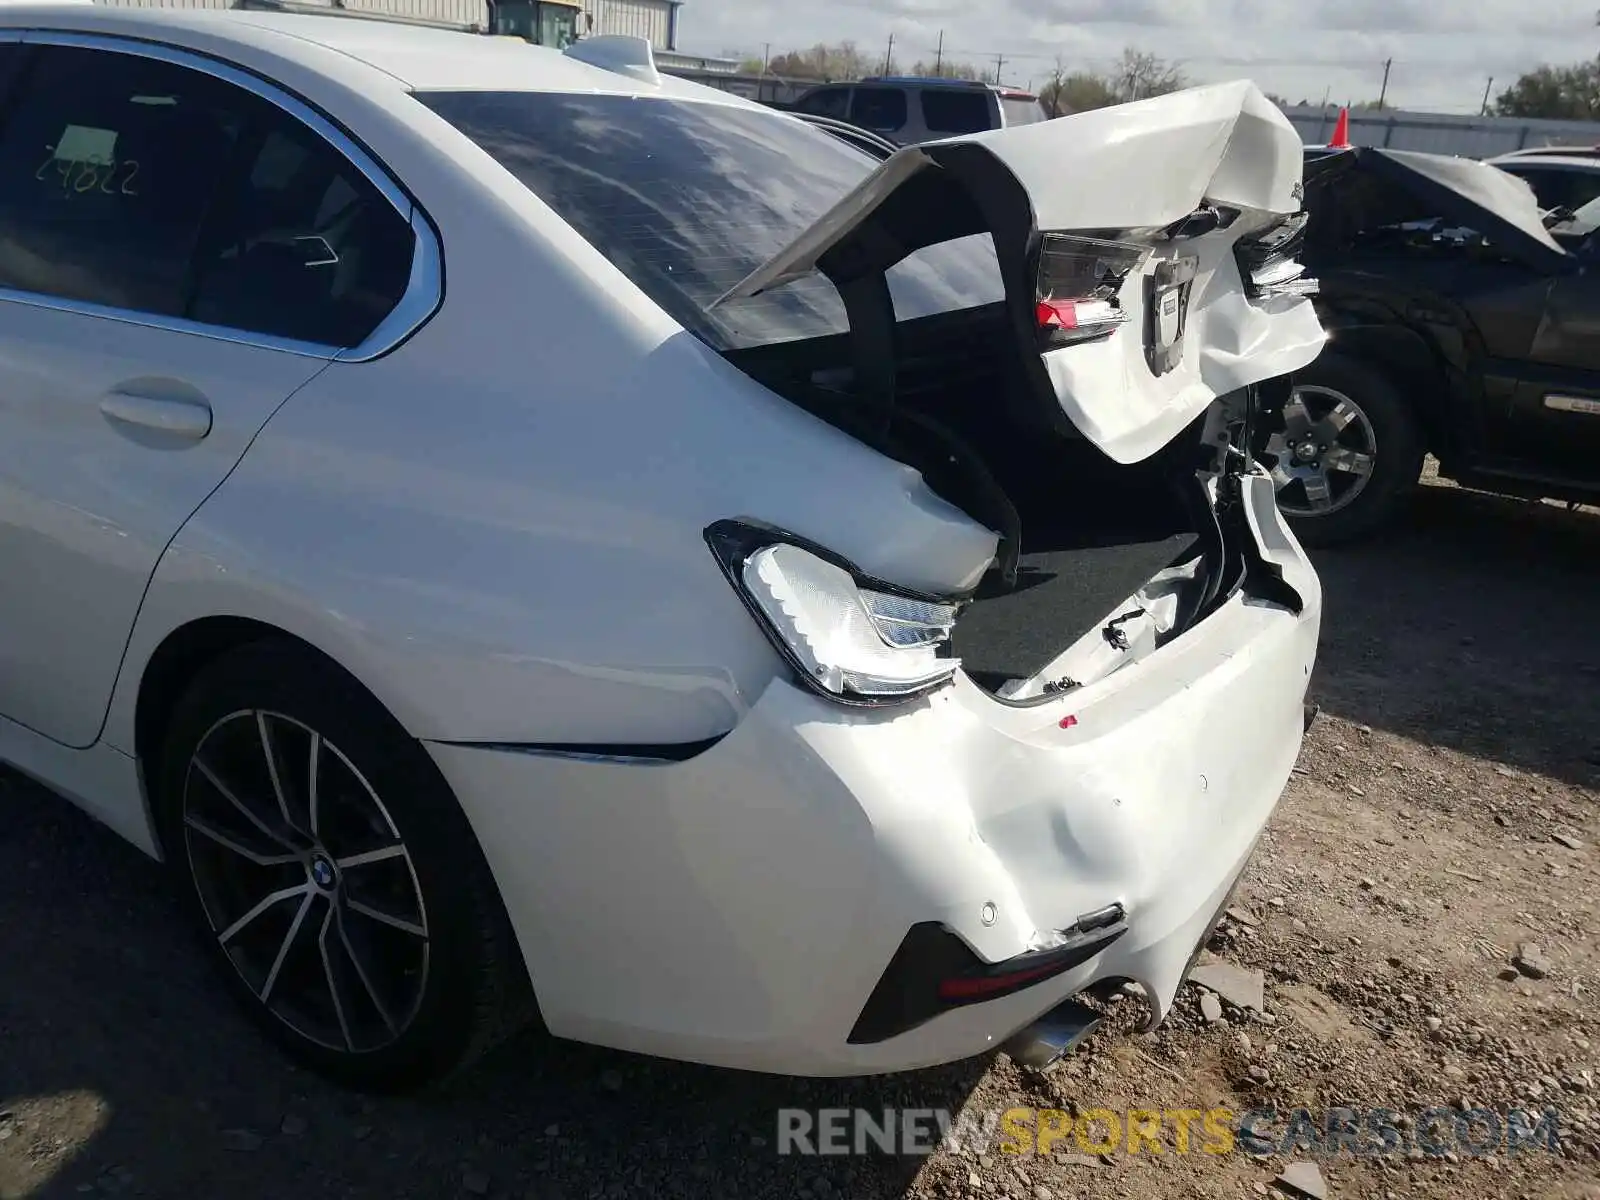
x=523, y=536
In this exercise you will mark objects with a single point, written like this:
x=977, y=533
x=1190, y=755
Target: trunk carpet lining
x=1062, y=592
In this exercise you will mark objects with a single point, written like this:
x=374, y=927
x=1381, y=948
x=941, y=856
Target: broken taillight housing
x=1079, y=287
x=848, y=637
x=1268, y=263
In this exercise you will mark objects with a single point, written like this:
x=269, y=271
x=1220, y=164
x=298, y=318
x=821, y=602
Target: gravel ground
x=1443, y=814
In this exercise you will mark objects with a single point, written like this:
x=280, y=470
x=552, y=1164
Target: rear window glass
x=880, y=109
x=1022, y=112
x=956, y=112
x=688, y=198
x=828, y=102
x=1585, y=219
x=1558, y=188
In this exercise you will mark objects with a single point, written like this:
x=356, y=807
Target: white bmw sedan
x=525, y=538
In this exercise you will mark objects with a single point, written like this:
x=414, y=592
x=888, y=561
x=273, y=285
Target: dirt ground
x=1444, y=812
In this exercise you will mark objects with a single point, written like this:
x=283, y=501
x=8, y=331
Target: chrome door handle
x=178, y=418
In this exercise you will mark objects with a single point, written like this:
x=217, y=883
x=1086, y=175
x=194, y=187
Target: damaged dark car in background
x=1463, y=322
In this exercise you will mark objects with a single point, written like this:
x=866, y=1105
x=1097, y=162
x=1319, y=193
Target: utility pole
x=1487, y=88
x=888, y=57
x=766, y=59
x=938, y=56
x=999, y=65
x=1383, y=95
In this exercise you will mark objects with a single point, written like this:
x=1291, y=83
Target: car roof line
x=405, y=84
x=171, y=33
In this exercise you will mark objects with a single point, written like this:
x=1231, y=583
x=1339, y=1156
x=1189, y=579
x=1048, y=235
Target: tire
x=1396, y=449
x=414, y=984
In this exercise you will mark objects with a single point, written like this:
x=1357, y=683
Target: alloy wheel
x=1325, y=454
x=305, y=881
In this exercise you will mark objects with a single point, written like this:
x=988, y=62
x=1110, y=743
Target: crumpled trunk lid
x=1116, y=233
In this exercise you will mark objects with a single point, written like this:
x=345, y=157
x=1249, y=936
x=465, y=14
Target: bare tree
x=1078, y=92
x=1050, y=93
x=842, y=61
x=1136, y=75
x=1139, y=75
x=946, y=70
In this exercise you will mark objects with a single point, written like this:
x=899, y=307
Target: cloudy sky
x=1444, y=51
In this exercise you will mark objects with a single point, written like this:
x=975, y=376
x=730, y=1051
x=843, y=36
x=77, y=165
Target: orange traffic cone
x=1341, y=132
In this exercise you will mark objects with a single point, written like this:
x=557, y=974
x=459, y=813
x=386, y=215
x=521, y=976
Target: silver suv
x=912, y=110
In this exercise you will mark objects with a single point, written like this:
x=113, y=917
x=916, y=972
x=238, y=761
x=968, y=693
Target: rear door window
x=882, y=110
x=1556, y=187
x=12, y=57
x=948, y=111
x=303, y=246
x=147, y=186
x=827, y=102
x=1020, y=111
x=108, y=165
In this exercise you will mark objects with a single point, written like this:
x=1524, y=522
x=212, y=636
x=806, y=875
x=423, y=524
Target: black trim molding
x=617, y=752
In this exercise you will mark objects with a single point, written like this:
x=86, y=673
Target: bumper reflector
x=934, y=971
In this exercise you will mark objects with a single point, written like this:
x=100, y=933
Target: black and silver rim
x=1324, y=454
x=305, y=881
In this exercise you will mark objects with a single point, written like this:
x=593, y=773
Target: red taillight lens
x=1057, y=314
x=1076, y=315
x=1079, y=284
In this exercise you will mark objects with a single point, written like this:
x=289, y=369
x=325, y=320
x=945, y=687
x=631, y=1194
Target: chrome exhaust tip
x=1052, y=1037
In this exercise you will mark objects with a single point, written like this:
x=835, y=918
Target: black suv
x=1462, y=320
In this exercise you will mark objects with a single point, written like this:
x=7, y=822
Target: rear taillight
x=1086, y=317
x=847, y=637
x=1268, y=262
x=1079, y=287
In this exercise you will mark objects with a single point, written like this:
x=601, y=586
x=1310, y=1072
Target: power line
x=943, y=50
x=944, y=53
x=1300, y=61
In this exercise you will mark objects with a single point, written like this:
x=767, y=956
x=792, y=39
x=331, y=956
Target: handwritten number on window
x=115, y=178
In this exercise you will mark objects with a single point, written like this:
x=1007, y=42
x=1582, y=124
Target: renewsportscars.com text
x=1259, y=1132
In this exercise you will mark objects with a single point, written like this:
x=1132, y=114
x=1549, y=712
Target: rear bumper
x=740, y=908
